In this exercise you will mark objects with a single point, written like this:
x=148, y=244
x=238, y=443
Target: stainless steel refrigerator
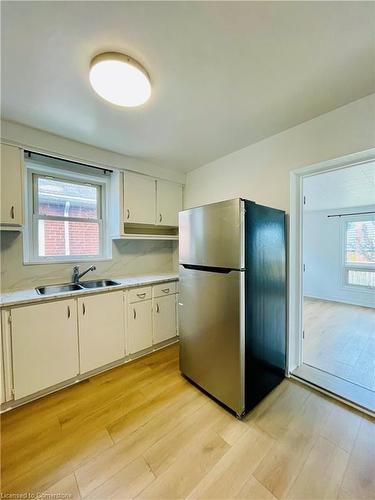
x=232, y=302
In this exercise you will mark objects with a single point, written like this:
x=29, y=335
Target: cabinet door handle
x=157, y=308
x=83, y=308
x=127, y=214
x=12, y=212
x=134, y=314
x=165, y=290
x=160, y=217
x=68, y=312
x=141, y=295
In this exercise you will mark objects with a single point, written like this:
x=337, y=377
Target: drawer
x=137, y=294
x=164, y=289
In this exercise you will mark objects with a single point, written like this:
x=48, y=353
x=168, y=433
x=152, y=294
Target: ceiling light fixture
x=120, y=79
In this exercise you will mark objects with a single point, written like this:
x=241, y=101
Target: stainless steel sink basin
x=72, y=287
x=51, y=289
x=98, y=283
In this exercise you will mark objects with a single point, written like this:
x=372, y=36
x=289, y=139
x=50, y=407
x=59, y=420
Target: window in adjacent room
x=359, y=252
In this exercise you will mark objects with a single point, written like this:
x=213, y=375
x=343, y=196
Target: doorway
x=334, y=315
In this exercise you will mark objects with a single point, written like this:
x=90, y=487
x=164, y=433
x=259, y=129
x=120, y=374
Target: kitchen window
x=66, y=215
x=359, y=252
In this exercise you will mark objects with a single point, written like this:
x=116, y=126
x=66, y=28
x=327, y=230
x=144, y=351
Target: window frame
x=33, y=171
x=345, y=266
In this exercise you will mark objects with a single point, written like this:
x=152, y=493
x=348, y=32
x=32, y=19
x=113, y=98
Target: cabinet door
x=101, y=330
x=44, y=345
x=139, y=199
x=169, y=203
x=2, y=372
x=11, y=185
x=164, y=316
x=139, y=326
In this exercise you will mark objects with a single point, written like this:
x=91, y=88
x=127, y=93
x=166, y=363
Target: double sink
x=71, y=287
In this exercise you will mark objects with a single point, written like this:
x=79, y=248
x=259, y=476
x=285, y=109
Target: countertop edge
x=31, y=296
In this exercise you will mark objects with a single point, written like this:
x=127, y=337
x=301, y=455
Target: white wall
x=322, y=250
x=260, y=172
x=44, y=142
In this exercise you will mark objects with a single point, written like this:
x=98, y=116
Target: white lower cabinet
x=44, y=345
x=164, y=318
x=53, y=342
x=139, y=326
x=2, y=371
x=101, y=330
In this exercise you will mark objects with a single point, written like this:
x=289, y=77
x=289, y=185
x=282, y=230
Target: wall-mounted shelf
x=146, y=237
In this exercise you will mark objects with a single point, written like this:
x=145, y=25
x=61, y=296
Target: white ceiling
x=225, y=74
x=344, y=188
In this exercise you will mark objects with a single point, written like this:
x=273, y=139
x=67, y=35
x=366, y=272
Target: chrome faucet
x=77, y=275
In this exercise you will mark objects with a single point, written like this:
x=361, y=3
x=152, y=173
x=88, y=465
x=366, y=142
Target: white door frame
x=294, y=354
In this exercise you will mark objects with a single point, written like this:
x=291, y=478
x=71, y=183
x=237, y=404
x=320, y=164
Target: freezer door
x=213, y=235
x=212, y=333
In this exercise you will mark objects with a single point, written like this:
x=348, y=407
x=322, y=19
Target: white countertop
x=26, y=296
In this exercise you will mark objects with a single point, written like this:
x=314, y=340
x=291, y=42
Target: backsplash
x=129, y=257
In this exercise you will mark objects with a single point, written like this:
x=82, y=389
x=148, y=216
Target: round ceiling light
x=120, y=79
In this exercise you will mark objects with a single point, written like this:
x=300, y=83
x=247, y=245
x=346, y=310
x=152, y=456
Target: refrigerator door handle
x=211, y=269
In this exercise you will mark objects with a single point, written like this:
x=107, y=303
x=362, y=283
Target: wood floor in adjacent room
x=340, y=339
x=141, y=430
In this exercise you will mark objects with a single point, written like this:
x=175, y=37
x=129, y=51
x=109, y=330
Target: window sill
x=357, y=289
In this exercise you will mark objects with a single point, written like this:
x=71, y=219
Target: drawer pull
x=83, y=308
x=165, y=290
x=134, y=314
x=141, y=295
x=68, y=312
x=157, y=308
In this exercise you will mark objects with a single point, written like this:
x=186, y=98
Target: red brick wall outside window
x=83, y=237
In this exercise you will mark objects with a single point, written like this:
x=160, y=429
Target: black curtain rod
x=356, y=213
x=105, y=170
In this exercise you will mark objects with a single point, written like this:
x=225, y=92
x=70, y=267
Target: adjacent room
x=187, y=262
x=339, y=275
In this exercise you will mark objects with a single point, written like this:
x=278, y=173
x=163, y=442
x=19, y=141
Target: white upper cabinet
x=150, y=201
x=44, y=345
x=101, y=330
x=139, y=198
x=168, y=203
x=11, y=185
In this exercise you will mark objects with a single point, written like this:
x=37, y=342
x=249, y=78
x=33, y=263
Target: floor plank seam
x=268, y=489
x=110, y=436
x=76, y=482
x=142, y=425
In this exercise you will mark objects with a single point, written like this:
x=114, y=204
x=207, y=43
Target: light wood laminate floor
x=141, y=430
x=340, y=339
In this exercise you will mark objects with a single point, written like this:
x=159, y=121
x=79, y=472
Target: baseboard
x=339, y=301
